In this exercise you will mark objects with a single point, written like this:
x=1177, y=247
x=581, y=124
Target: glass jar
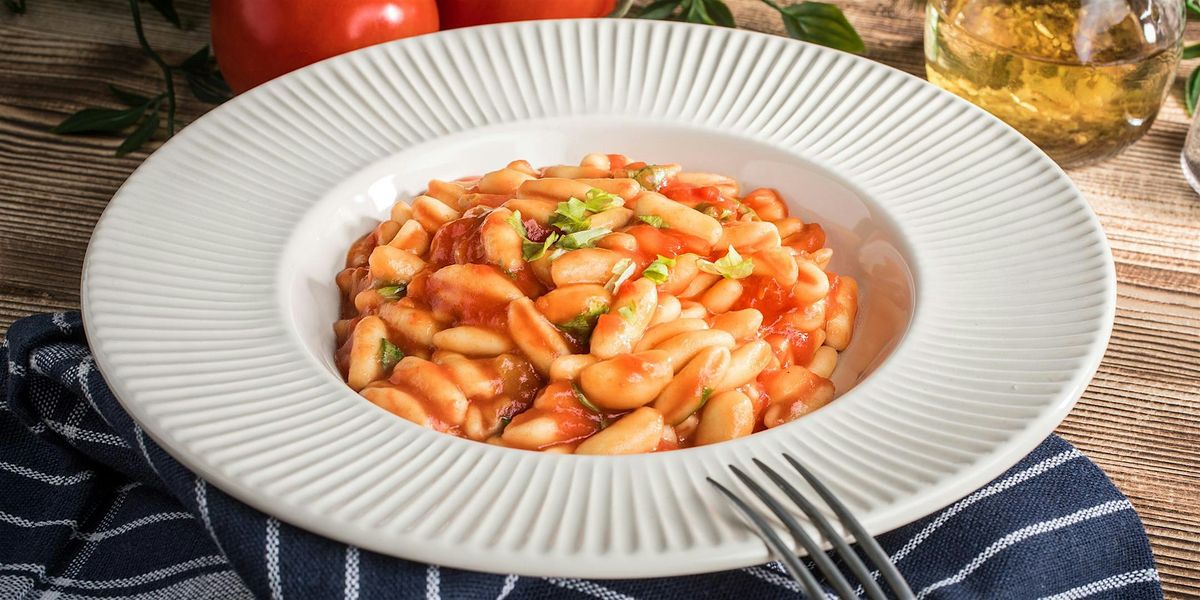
x=1083, y=79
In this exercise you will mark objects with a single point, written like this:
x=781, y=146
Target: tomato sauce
x=457, y=242
x=695, y=196
x=765, y=295
x=810, y=238
x=669, y=243
x=616, y=162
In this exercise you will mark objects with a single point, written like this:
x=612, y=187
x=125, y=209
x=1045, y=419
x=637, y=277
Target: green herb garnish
x=532, y=251
x=651, y=177
x=628, y=312
x=570, y=216
x=705, y=394
x=588, y=405
x=581, y=325
x=621, y=272
x=659, y=270
x=583, y=239
x=519, y=226
x=598, y=200
x=389, y=354
x=573, y=215
x=654, y=221
x=730, y=266
x=392, y=292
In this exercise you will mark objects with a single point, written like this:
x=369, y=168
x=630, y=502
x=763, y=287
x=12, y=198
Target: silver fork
x=835, y=578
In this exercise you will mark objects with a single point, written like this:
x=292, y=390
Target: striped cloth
x=90, y=507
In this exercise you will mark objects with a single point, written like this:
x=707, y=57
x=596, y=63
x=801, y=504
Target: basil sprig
x=809, y=21
x=142, y=113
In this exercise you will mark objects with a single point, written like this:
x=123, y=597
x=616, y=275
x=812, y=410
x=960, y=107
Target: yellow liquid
x=1082, y=82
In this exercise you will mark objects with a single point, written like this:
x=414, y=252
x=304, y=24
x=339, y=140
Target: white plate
x=208, y=287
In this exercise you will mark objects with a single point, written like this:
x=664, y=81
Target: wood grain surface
x=1139, y=419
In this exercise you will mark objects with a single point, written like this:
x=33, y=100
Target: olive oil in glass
x=1083, y=79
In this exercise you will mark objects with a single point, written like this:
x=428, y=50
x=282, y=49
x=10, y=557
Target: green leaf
x=145, y=130
x=204, y=79
x=696, y=13
x=1191, y=92
x=588, y=405
x=654, y=221
x=705, y=394
x=389, y=354
x=744, y=209
x=650, y=177
x=730, y=266
x=659, y=10
x=1191, y=51
x=621, y=272
x=659, y=270
x=532, y=251
x=583, y=239
x=720, y=13
x=570, y=216
x=504, y=421
x=209, y=88
x=820, y=23
x=598, y=200
x=1193, y=7
x=198, y=61
x=627, y=312
x=127, y=97
x=581, y=325
x=100, y=119
x=517, y=224
x=166, y=8
x=392, y=292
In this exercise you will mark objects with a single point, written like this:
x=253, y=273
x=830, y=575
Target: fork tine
x=849, y=556
x=865, y=541
x=815, y=552
x=793, y=564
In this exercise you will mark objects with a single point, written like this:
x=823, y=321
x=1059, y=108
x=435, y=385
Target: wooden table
x=1139, y=419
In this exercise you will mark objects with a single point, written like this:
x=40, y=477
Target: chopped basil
x=705, y=394
x=659, y=270
x=504, y=421
x=650, y=177
x=588, y=405
x=515, y=220
x=730, y=266
x=654, y=221
x=570, y=216
x=581, y=325
x=392, y=292
x=389, y=354
x=628, y=312
x=746, y=210
x=582, y=239
x=621, y=272
x=532, y=251
x=598, y=200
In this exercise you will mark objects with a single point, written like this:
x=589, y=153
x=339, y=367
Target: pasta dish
x=613, y=307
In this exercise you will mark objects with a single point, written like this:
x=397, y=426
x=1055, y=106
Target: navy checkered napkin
x=90, y=507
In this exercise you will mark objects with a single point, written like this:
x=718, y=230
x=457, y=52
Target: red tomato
x=465, y=13
x=259, y=40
